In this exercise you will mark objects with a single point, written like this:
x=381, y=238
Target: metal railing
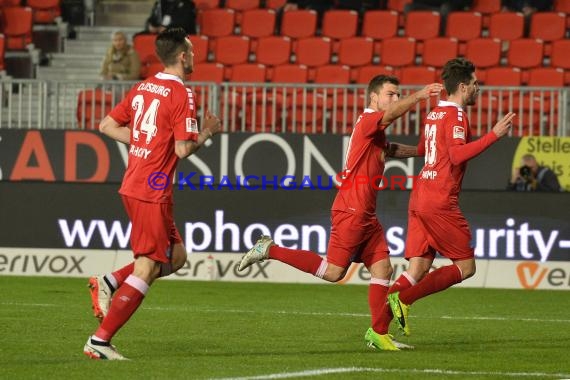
x=274, y=107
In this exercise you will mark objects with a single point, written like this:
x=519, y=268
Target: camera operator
x=532, y=177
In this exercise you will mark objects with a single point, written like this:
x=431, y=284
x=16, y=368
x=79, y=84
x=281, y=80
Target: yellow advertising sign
x=553, y=152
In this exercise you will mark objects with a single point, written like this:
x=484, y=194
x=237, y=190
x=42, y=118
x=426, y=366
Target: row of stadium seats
x=379, y=24
x=225, y=52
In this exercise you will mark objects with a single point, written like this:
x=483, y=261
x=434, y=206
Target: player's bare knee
x=334, y=274
x=179, y=257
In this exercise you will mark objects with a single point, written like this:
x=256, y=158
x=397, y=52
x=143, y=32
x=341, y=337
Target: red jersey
x=159, y=111
x=364, y=162
x=438, y=184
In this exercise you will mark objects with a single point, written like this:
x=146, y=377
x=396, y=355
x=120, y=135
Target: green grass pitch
x=214, y=330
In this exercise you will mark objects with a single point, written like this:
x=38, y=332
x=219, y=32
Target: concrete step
x=103, y=33
x=76, y=61
x=108, y=13
x=81, y=47
x=67, y=73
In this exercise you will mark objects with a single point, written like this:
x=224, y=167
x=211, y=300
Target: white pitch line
x=327, y=371
x=318, y=314
x=361, y=315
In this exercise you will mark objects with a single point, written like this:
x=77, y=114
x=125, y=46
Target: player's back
x=153, y=109
x=438, y=184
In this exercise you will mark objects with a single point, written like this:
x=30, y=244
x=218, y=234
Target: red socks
x=306, y=261
x=126, y=301
x=382, y=323
x=377, y=291
x=436, y=281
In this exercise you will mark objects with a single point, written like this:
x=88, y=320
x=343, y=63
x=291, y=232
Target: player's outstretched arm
x=210, y=127
x=397, y=109
x=461, y=153
x=114, y=130
x=397, y=150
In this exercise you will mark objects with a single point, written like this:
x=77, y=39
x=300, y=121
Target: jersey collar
x=445, y=103
x=168, y=77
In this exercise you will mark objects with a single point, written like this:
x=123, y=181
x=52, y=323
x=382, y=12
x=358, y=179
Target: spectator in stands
x=533, y=177
x=441, y=6
x=121, y=61
x=172, y=14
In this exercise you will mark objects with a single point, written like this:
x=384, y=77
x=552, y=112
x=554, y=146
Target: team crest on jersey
x=191, y=125
x=458, y=132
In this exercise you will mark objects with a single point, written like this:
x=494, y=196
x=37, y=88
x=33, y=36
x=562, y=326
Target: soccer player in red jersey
x=356, y=234
x=435, y=222
x=158, y=120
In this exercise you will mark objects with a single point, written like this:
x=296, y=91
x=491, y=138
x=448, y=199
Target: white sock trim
x=410, y=278
x=460, y=272
x=112, y=280
x=322, y=268
x=379, y=281
x=137, y=283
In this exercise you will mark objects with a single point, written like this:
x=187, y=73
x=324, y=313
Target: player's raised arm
x=461, y=153
x=397, y=109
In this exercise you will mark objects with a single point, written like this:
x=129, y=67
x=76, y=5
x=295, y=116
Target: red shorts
x=153, y=232
x=447, y=233
x=355, y=238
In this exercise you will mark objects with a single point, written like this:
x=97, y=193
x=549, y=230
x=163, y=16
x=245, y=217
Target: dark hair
x=169, y=44
x=456, y=71
x=377, y=82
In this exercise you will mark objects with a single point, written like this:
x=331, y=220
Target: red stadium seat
x=484, y=52
x=332, y=74
x=525, y=53
x=355, y=51
x=546, y=77
x=217, y=22
x=506, y=26
x=10, y=3
x=273, y=50
x=437, y=51
x=366, y=73
x=464, y=26
x=398, y=5
x=422, y=25
x=249, y=73
x=200, y=46
x=398, y=51
x=560, y=57
x=503, y=76
x=144, y=46
x=486, y=8
x=258, y=23
x=208, y=72
x=44, y=11
x=17, y=27
x=422, y=75
x=380, y=24
x=313, y=51
x=290, y=74
x=231, y=50
x=299, y=23
x=206, y=4
x=548, y=26
x=92, y=106
x=275, y=4
x=242, y=5
x=339, y=24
